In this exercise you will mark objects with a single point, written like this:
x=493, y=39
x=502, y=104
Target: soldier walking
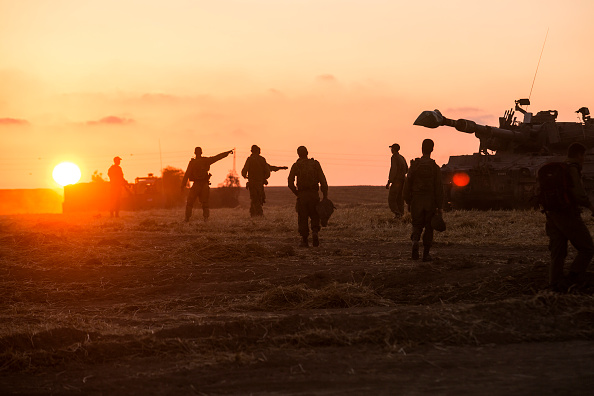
x=423, y=192
x=564, y=223
x=310, y=179
x=398, y=170
x=116, y=184
x=197, y=172
x=257, y=171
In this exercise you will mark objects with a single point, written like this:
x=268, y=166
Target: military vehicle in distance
x=502, y=175
x=149, y=192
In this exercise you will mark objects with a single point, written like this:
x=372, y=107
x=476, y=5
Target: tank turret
x=540, y=133
x=503, y=172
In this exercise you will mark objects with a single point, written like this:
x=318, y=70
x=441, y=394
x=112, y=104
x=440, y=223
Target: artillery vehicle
x=149, y=192
x=144, y=193
x=502, y=175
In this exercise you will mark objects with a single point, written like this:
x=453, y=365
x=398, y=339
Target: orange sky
x=84, y=81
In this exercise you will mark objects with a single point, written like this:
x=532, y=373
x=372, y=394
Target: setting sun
x=461, y=179
x=66, y=173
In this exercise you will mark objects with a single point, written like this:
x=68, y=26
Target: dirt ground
x=147, y=304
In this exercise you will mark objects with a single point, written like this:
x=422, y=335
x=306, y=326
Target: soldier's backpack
x=554, y=184
x=307, y=175
x=422, y=173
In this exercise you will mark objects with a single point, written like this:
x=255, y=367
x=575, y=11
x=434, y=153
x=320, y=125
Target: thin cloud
x=276, y=92
x=327, y=78
x=159, y=98
x=13, y=121
x=112, y=120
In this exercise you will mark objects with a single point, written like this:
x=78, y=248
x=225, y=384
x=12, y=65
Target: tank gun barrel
x=433, y=119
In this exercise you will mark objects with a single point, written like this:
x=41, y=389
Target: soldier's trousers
x=256, y=198
x=200, y=190
x=306, y=209
x=395, y=197
x=562, y=227
x=115, y=199
x=422, y=210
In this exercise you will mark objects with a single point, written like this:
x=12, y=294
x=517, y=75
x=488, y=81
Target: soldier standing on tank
x=567, y=225
x=197, y=172
x=423, y=192
x=257, y=171
x=310, y=179
x=116, y=184
x=398, y=170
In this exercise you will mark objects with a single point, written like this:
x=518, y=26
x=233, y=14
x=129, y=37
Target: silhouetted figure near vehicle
x=257, y=171
x=197, y=172
x=564, y=222
x=116, y=184
x=423, y=192
x=398, y=170
x=310, y=179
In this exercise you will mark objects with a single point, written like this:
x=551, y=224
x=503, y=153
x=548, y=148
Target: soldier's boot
x=426, y=255
x=415, y=250
x=188, y=214
x=315, y=239
x=205, y=213
x=304, y=242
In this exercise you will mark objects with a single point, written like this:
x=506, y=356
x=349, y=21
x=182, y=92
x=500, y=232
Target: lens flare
x=66, y=173
x=461, y=179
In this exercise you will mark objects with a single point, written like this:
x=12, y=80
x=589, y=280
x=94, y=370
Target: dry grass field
x=147, y=304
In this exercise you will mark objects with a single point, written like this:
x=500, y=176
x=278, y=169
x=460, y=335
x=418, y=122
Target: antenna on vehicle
x=161, y=163
x=538, y=64
x=160, y=157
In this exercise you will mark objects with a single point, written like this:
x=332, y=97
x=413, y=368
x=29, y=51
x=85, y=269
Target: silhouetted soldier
x=116, y=184
x=566, y=224
x=257, y=171
x=197, y=172
x=395, y=183
x=423, y=192
x=310, y=179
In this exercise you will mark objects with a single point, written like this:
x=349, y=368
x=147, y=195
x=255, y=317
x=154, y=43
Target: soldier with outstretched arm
x=257, y=171
x=310, y=179
x=197, y=172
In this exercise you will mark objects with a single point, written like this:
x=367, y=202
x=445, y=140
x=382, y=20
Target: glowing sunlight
x=66, y=173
